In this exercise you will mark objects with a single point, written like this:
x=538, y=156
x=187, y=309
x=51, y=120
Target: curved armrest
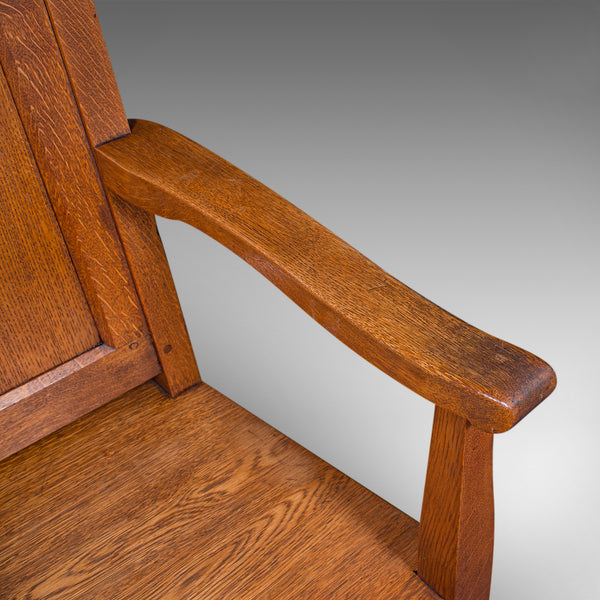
x=491, y=383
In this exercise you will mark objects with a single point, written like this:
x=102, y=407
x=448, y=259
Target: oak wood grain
x=152, y=499
x=46, y=380
x=193, y=499
x=92, y=79
x=41, y=89
x=486, y=380
x=73, y=389
x=156, y=290
x=84, y=52
x=44, y=319
x=456, y=537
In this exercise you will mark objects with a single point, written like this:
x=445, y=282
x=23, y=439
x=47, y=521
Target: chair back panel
x=85, y=339
x=45, y=318
x=34, y=69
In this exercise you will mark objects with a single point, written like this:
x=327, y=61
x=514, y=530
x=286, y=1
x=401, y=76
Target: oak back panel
x=40, y=86
x=73, y=334
x=45, y=318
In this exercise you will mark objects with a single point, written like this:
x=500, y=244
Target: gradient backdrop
x=455, y=143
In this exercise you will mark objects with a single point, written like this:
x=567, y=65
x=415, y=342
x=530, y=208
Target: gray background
x=456, y=144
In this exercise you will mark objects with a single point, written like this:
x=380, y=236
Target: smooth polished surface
x=95, y=90
x=150, y=498
x=67, y=346
x=31, y=3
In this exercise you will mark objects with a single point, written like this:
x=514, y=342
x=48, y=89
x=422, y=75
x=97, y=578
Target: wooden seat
x=146, y=498
x=123, y=475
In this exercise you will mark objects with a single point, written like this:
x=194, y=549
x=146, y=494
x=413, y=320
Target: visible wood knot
x=167, y=348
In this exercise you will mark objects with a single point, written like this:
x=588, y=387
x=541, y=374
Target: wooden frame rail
x=58, y=397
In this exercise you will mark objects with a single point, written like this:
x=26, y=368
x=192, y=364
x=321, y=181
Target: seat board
x=149, y=497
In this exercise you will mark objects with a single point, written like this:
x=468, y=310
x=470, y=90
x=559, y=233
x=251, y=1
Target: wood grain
x=45, y=319
x=149, y=499
x=456, y=537
x=95, y=88
x=73, y=389
x=88, y=65
x=48, y=379
x=486, y=380
x=40, y=87
x=154, y=283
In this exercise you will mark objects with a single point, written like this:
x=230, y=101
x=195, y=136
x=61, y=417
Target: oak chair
x=108, y=488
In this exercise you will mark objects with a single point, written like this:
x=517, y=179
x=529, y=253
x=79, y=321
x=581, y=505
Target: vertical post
x=158, y=297
x=456, y=537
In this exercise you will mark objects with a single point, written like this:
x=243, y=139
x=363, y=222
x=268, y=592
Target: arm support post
x=456, y=535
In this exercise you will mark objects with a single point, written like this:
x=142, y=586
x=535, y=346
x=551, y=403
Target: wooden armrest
x=489, y=382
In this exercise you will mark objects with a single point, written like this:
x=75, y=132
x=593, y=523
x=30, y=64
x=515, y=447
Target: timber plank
x=456, y=540
x=45, y=318
x=156, y=289
x=57, y=398
x=82, y=45
x=92, y=79
x=42, y=92
x=191, y=499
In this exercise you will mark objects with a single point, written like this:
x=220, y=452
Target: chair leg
x=456, y=537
